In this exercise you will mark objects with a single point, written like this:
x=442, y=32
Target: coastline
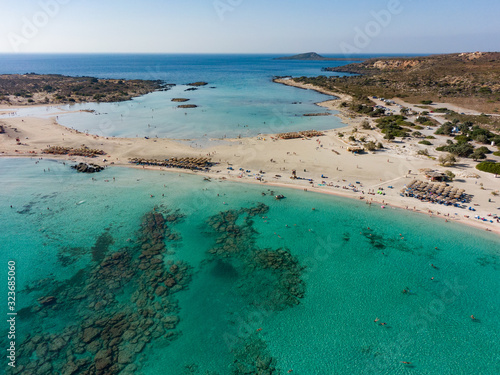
x=312, y=158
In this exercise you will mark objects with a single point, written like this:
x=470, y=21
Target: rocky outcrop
x=87, y=168
x=197, y=84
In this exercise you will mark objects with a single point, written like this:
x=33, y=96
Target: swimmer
x=376, y=320
x=406, y=363
x=473, y=317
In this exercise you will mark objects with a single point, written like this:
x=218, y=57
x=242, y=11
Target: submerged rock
x=47, y=301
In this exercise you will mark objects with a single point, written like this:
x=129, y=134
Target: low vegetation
x=490, y=167
x=392, y=127
x=54, y=88
x=472, y=78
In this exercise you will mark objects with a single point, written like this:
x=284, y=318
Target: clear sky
x=250, y=26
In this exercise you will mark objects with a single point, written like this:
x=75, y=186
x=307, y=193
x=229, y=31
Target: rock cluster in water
x=87, y=168
x=113, y=310
x=269, y=279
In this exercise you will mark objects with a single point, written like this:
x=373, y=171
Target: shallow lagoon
x=239, y=100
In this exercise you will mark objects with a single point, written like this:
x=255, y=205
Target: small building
x=436, y=176
x=356, y=150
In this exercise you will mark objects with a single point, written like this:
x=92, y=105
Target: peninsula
x=471, y=79
x=32, y=88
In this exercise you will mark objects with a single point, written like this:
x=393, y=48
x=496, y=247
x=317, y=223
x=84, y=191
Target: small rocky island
x=313, y=56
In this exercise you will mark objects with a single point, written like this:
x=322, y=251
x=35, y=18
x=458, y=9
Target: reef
x=269, y=279
x=113, y=309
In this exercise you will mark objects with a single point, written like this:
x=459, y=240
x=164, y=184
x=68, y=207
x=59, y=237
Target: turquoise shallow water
x=309, y=307
x=225, y=109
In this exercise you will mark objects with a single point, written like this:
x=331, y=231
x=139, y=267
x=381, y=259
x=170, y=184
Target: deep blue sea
x=145, y=272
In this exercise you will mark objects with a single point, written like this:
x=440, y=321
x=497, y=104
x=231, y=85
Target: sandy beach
x=325, y=160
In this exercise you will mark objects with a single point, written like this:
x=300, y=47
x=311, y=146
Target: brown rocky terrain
x=467, y=79
x=28, y=89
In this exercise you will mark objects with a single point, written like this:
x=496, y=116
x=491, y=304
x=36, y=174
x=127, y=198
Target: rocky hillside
x=463, y=77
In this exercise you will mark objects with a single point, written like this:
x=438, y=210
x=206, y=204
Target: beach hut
x=435, y=176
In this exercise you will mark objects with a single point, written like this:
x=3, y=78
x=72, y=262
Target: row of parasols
x=82, y=151
x=301, y=134
x=184, y=163
x=433, y=192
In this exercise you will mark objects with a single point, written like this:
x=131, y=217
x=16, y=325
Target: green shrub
x=371, y=146
x=445, y=129
x=484, y=150
x=366, y=125
x=450, y=175
x=427, y=143
x=426, y=102
x=447, y=160
x=462, y=138
x=441, y=110
x=489, y=167
x=458, y=149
